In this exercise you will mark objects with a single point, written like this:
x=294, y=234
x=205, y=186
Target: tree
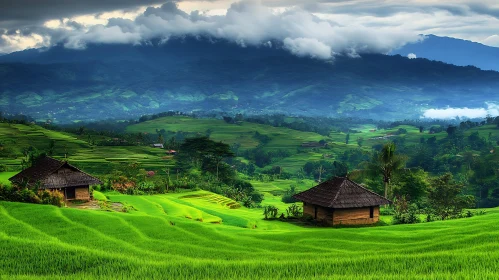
x=411, y=184
x=445, y=197
x=385, y=163
x=51, y=147
x=347, y=138
x=203, y=153
x=161, y=140
x=320, y=170
x=421, y=129
x=360, y=140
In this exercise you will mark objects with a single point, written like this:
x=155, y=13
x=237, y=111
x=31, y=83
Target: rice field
x=98, y=160
x=198, y=235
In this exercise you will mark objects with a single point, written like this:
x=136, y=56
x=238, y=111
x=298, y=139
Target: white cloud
x=349, y=27
x=492, y=41
x=308, y=47
x=412, y=56
x=246, y=23
x=452, y=113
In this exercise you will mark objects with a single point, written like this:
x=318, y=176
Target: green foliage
x=287, y=197
x=294, y=211
x=405, y=212
x=206, y=155
x=412, y=184
x=27, y=195
x=270, y=212
x=445, y=197
x=385, y=163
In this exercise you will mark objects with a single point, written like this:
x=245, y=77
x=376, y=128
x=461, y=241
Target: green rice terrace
x=148, y=223
x=203, y=236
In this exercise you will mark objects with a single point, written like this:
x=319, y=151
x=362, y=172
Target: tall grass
x=39, y=241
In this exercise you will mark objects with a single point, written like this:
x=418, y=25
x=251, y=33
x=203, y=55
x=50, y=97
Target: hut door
x=371, y=212
x=315, y=212
x=70, y=193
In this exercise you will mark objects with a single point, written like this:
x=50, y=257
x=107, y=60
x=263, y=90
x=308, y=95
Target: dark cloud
x=16, y=13
x=317, y=28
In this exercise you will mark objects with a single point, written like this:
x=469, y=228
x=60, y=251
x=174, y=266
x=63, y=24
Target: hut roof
x=52, y=173
x=340, y=192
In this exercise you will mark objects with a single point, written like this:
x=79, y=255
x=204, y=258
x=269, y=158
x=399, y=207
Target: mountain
x=125, y=81
x=454, y=51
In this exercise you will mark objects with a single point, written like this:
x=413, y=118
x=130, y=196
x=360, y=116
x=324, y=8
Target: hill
x=453, y=51
x=190, y=237
x=99, y=160
x=111, y=81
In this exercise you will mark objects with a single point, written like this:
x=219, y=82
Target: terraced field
x=97, y=160
x=198, y=236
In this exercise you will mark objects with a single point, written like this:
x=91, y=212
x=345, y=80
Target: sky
x=315, y=28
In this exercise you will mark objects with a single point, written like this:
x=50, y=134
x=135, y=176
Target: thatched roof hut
x=341, y=201
x=55, y=175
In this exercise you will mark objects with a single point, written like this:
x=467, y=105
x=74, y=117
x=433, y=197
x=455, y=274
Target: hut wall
x=82, y=193
x=323, y=214
x=308, y=209
x=355, y=216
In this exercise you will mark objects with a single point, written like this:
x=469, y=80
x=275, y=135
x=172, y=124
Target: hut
x=340, y=201
x=54, y=175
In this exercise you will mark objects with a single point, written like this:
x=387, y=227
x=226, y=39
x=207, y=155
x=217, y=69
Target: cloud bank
x=470, y=113
x=246, y=23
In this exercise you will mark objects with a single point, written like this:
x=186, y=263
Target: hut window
x=371, y=212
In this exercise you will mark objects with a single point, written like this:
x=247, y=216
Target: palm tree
x=385, y=163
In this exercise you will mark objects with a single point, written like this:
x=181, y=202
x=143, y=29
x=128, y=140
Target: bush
x=287, y=197
x=270, y=212
x=51, y=197
x=294, y=211
x=410, y=216
x=23, y=194
x=386, y=211
x=405, y=213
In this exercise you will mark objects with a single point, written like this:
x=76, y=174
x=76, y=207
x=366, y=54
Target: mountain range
x=193, y=74
x=454, y=51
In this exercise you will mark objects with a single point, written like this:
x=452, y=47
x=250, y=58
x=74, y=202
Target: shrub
x=287, y=197
x=270, y=212
x=51, y=197
x=410, y=216
x=294, y=211
x=405, y=213
x=386, y=211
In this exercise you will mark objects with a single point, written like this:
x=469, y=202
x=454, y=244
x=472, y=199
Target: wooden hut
x=55, y=175
x=340, y=201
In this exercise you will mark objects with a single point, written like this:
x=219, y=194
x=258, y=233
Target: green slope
x=166, y=238
x=98, y=160
x=243, y=133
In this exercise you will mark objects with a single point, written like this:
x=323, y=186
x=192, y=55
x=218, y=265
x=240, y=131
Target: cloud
x=471, y=113
x=249, y=23
x=412, y=56
x=308, y=47
x=19, y=13
x=492, y=41
x=345, y=26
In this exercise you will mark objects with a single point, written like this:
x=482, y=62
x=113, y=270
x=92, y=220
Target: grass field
x=4, y=177
x=281, y=138
x=197, y=236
